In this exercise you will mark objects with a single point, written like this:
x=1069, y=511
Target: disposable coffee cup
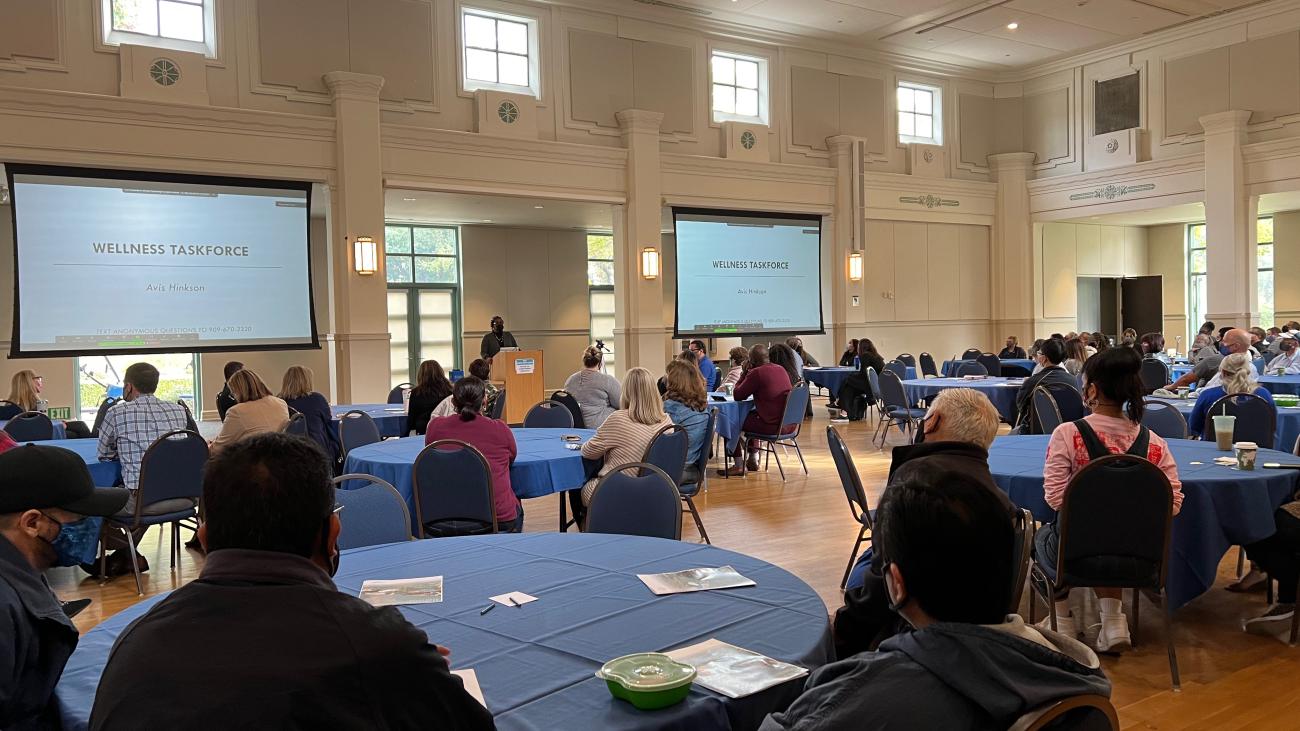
x=1182, y=392
x=1223, y=426
x=1246, y=453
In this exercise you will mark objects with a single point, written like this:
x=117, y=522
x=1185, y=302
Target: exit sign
x=60, y=412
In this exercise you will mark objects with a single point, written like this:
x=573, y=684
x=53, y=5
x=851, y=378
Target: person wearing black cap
x=46, y=493
x=497, y=339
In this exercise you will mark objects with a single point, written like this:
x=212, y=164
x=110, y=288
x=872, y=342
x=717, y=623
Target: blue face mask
x=76, y=542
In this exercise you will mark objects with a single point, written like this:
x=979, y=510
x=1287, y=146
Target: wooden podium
x=523, y=378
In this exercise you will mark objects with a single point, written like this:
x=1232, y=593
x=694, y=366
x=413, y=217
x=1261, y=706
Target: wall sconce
x=649, y=263
x=365, y=255
x=855, y=266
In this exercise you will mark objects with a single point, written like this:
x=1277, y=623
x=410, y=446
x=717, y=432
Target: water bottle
x=857, y=363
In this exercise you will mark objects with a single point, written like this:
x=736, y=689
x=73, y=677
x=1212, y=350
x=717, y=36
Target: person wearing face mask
x=945, y=543
x=277, y=644
x=1287, y=361
x=499, y=337
x=45, y=495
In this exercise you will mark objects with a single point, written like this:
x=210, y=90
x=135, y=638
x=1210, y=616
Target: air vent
x=675, y=6
x=164, y=72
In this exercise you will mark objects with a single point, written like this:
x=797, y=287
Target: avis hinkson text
x=744, y=264
x=164, y=249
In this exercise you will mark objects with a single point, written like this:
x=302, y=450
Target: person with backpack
x=1113, y=391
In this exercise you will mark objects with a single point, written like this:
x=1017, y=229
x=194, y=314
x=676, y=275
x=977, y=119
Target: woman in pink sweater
x=1113, y=391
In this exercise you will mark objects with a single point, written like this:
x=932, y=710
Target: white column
x=1012, y=264
x=1230, y=214
x=357, y=209
x=846, y=228
x=639, y=328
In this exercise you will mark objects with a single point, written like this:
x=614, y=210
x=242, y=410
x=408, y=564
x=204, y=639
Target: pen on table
x=513, y=602
x=486, y=609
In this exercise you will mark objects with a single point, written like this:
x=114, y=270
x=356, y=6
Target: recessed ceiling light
x=539, y=207
x=408, y=199
x=1012, y=25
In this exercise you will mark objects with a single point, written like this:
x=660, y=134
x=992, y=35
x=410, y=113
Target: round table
x=1288, y=421
x=830, y=377
x=104, y=474
x=1222, y=506
x=1019, y=367
x=1001, y=391
x=1281, y=384
x=535, y=663
x=390, y=418
x=1180, y=370
x=731, y=415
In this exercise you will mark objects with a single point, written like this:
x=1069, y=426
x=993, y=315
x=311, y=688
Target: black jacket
x=36, y=640
x=320, y=421
x=491, y=345
x=1016, y=353
x=274, y=645
x=225, y=400
x=421, y=406
x=1024, y=398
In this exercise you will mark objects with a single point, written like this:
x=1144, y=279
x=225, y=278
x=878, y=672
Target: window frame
x=1259, y=304
x=1194, y=314
x=112, y=38
x=534, y=55
x=413, y=289
x=936, y=113
x=763, y=88
x=610, y=357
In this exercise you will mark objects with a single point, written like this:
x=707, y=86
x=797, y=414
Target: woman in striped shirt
x=623, y=437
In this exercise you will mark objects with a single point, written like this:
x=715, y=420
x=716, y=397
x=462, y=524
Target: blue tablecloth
x=535, y=663
x=731, y=415
x=1222, y=506
x=1288, y=421
x=105, y=474
x=1018, y=367
x=1178, y=371
x=1281, y=384
x=390, y=418
x=60, y=432
x=1001, y=391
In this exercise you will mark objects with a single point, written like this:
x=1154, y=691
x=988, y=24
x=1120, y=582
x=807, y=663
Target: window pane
x=747, y=102
x=1197, y=263
x=724, y=70
x=137, y=16
x=512, y=37
x=724, y=99
x=435, y=240
x=1196, y=235
x=1265, y=290
x=399, y=364
x=1264, y=231
x=514, y=69
x=600, y=273
x=1265, y=257
x=435, y=269
x=600, y=247
x=905, y=103
x=924, y=101
x=437, y=336
x=398, y=269
x=905, y=124
x=602, y=303
x=480, y=32
x=924, y=125
x=480, y=65
x=397, y=239
x=180, y=20
x=747, y=74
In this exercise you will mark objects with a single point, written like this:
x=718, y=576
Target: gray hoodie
x=949, y=676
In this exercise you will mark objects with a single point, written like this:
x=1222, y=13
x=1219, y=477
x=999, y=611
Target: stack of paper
x=733, y=671
x=392, y=592
x=680, y=582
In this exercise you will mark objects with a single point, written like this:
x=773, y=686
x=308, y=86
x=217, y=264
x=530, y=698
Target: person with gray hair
x=1237, y=375
x=1202, y=348
x=1206, y=372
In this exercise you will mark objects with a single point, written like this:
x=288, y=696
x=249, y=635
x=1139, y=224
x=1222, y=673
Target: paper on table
x=518, y=596
x=392, y=592
x=703, y=579
x=733, y=671
x=470, y=679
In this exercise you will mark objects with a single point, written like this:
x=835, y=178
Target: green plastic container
x=648, y=680
x=1286, y=399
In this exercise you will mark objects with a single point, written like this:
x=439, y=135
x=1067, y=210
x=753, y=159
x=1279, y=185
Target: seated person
x=1013, y=351
x=805, y=358
x=1202, y=348
x=596, y=392
x=431, y=387
x=1152, y=345
x=1206, y=370
x=276, y=644
x=1112, y=389
x=768, y=383
x=685, y=402
x=1035, y=348
x=254, y=412
x=297, y=393
x=704, y=363
x=1075, y=355
x=1279, y=555
x=1050, y=357
x=855, y=395
x=739, y=358
x=1236, y=375
x=490, y=437
x=851, y=352
x=624, y=436
x=25, y=395
x=958, y=428
x=225, y=399
x=1287, y=361
x=482, y=370
x=945, y=543
x=45, y=494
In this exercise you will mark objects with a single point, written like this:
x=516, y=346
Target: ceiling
x=411, y=206
x=967, y=32
x=1190, y=212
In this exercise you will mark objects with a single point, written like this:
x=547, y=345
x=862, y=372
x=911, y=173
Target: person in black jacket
x=1050, y=357
x=296, y=390
x=431, y=387
x=851, y=352
x=274, y=644
x=858, y=384
x=225, y=399
x=1013, y=351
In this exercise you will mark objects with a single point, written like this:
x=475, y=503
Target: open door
x=1142, y=304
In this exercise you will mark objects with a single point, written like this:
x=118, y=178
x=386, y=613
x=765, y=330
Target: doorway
x=1111, y=304
x=101, y=376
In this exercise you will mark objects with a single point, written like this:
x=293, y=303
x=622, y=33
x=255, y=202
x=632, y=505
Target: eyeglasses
x=38, y=378
x=338, y=508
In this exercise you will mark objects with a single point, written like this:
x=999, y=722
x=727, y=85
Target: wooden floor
x=1231, y=680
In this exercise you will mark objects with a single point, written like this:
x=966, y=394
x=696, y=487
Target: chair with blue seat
x=190, y=423
x=667, y=450
x=873, y=378
x=897, y=368
x=898, y=412
x=396, y=395
x=972, y=354
x=636, y=499
x=928, y=367
x=991, y=363
x=695, y=477
x=108, y=403
x=1069, y=400
x=296, y=425
x=30, y=426
x=853, y=490
x=357, y=429
x=453, y=491
x=1047, y=415
x=498, y=406
x=796, y=403
x=1154, y=373
x=548, y=415
x=1022, y=555
x=570, y=403
x=1256, y=418
x=970, y=368
x=1163, y=418
x=906, y=359
x=375, y=513
x=1086, y=712
x=717, y=380
x=171, y=469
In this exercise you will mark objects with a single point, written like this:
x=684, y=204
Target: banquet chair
x=1047, y=415
x=991, y=363
x=796, y=403
x=717, y=380
x=499, y=406
x=548, y=415
x=1114, y=528
x=853, y=490
x=171, y=469
x=928, y=368
x=1069, y=401
x=877, y=402
x=667, y=451
x=9, y=409
x=101, y=412
x=395, y=395
x=190, y=423
x=1022, y=556
x=570, y=403
x=30, y=426
x=1164, y=419
x=636, y=499
x=972, y=354
x=296, y=425
x=970, y=368
x=695, y=477
x=375, y=513
x=897, y=368
x=357, y=429
x=1154, y=374
x=906, y=359
x=1256, y=418
x=453, y=491
x=897, y=411
x=1086, y=712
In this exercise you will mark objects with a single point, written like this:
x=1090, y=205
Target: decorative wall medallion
x=747, y=140
x=1112, y=145
x=164, y=72
x=928, y=156
x=508, y=112
x=1111, y=192
x=930, y=201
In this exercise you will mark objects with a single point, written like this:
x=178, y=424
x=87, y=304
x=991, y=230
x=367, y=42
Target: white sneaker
x=1064, y=625
x=1114, y=636
x=1272, y=622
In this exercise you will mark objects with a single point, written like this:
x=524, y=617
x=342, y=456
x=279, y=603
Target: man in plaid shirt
x=129, y=428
